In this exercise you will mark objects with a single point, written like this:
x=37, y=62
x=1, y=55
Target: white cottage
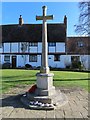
x=22, y=44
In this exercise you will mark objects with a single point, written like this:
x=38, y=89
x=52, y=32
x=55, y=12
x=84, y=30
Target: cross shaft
x=44, y=66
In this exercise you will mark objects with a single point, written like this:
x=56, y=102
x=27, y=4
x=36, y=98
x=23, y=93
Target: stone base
x=45, y=84
x=45, y=94
x=56, y=100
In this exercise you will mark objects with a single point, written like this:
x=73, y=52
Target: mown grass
x=13, y=77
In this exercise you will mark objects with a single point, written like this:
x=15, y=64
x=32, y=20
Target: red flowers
x=32, y=89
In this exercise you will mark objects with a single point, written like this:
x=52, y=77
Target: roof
x=33, y=33
x=78, y=45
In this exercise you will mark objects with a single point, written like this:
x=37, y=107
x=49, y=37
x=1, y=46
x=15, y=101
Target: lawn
x=13, y=77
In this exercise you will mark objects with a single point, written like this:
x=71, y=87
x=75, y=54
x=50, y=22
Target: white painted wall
x=2, y=59
x=85, y=61
x=60, y=47
x=56, y=64
x=1, y=49
x=6, y=47
x=67, y=60
x=51, y=49
x=20, y=61
x=39, y=47
x=33, y=49
x=14, y=47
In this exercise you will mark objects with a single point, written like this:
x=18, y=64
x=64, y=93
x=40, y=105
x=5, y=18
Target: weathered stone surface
x=56, y=100
x=69, y=110
x=45, y=84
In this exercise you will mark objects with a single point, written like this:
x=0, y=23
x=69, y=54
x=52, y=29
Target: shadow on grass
x=8, y=77
x=10, y=81
x=57, y=79
x=72, y=79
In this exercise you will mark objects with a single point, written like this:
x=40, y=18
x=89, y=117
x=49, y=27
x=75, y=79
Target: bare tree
x=83, y=26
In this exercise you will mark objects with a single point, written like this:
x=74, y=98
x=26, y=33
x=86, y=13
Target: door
x=13, y=61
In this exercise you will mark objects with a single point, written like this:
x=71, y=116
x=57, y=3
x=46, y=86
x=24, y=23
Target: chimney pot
x=21, y=20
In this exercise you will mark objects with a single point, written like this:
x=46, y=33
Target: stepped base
x=44, y=95
x=47, y=102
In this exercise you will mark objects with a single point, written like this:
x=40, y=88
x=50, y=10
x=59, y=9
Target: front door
x=13, y=61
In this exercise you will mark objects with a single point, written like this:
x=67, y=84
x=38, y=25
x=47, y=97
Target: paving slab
x=77, y=107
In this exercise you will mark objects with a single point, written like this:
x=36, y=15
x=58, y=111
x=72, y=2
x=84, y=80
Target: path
x=77, y=106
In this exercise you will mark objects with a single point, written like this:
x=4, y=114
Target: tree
x=83, y=26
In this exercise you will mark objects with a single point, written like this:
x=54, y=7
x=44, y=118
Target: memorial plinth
x=45, y=84
x=44, y=96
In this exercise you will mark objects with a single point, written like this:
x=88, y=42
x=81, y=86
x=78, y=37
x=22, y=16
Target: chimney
x=21, y=20
x=65, y=20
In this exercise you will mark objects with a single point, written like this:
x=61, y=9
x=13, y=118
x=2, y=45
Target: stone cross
x=44, y=66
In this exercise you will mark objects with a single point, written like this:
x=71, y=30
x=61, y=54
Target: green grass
x=12, y=77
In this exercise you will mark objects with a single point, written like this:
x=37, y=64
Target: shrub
x=38, y=68
x=28, y=66
x=6, y=65
x=77, y=65
x=68, y=66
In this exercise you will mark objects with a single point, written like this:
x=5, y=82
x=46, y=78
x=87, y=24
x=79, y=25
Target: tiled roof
x=33, y=33
x=78, y=45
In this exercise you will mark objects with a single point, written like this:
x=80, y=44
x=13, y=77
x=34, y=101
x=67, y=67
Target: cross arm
x=39, y=17
x=49, y=17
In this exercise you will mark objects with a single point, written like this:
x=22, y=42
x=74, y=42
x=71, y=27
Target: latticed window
x=33, y=44
x=33, y=58
x=51, y=44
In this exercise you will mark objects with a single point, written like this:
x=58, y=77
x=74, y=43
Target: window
x=51, y=44
x=56, y=57
x=7, y=58
x=33, y=44
x=80, y=43
x=33, y=58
